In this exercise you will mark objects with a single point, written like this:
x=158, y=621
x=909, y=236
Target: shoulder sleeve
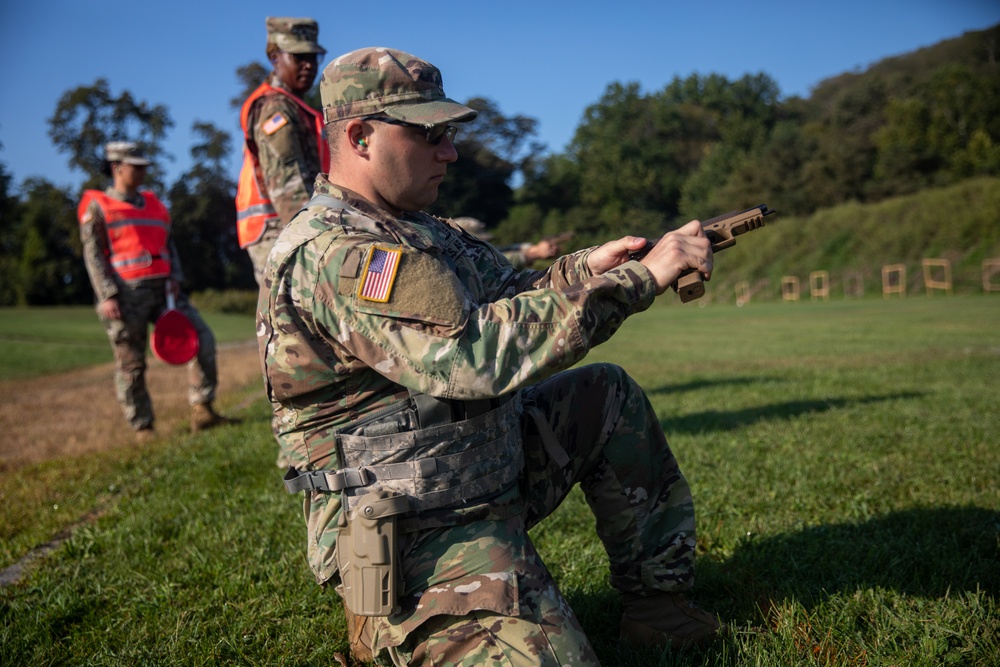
x=287, y=152
x=403, y=313
x=94, y=242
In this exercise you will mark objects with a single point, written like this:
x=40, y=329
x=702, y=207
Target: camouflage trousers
x=593, y=426
x=262, y=248
x=141, y=303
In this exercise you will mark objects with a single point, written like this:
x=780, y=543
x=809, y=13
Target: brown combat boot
x=663, y=619
x=203, y=416
x=359, y=632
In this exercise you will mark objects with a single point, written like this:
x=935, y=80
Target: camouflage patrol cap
x=475, y=227
x=380, y=80
x=293, y=35
x=125, y=151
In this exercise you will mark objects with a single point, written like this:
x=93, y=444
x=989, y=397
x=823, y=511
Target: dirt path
x=76, y=413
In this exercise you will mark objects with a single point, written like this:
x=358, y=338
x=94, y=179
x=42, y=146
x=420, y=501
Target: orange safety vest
x=137, y=237
x=253, y=207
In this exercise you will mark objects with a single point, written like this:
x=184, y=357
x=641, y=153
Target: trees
x=948, y=133
x=705, y=144
x=637, y=159
x=48, y=269
x=204, y=217
x=87, y=117
x=10, y=241
x=491, y=150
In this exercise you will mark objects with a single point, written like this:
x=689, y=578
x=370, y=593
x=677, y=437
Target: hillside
x=907, y=74
x=960, y=223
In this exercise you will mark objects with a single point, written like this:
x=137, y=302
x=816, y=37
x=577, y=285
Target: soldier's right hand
x=676, y=252
x=109, y=309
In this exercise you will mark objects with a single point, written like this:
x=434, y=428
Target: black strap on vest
x=325, y=480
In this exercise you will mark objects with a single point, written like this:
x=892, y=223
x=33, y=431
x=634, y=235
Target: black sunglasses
x=434, y=133
x=305, y=57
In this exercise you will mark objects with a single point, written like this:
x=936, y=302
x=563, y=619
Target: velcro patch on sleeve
x=422, y=290
x=274, y=123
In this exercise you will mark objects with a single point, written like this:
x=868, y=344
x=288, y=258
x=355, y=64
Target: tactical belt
x=348, y=478
x=442, y=464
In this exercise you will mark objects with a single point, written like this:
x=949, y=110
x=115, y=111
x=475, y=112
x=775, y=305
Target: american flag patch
x=379, y=274
x=274, y=123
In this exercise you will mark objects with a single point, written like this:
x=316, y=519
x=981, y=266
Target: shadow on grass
x=928, y=553
x=723, y=420
x=923, y=552
x=684, y=387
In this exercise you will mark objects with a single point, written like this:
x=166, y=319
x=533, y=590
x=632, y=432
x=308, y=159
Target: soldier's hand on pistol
x=680, y=250
x=614, y=253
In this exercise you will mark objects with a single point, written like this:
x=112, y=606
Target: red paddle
x=175, y=340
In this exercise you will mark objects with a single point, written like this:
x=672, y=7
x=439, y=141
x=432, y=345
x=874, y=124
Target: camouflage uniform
x=289, y=157
x=141, y=302
x=515, y=252
x=461, y=323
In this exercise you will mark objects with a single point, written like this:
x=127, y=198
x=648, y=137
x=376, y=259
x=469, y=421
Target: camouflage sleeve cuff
x=637, y=283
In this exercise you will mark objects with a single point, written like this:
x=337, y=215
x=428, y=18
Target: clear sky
x=547, y=59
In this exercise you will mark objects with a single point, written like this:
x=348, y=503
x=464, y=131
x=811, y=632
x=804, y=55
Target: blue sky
x=545, y=59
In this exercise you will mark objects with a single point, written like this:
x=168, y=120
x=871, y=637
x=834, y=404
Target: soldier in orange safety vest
x=132, y=263
x=285, y=146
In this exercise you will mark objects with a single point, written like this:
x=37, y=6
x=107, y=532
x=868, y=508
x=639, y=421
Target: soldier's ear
x=355, y=130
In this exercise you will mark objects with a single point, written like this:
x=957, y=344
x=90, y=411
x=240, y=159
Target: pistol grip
x=690, y=286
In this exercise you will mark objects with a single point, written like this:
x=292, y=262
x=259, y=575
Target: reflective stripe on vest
x=253, y=207
x=137, y=237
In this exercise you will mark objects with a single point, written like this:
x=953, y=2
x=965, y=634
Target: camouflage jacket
x=289, y=157
x=458, y=322
x=96, y=250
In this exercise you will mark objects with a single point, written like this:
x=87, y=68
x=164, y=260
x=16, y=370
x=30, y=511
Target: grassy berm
x=852, y=243
x=843, y=458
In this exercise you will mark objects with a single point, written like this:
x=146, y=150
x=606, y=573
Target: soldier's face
x=297, y=70
x=130, y=175
x=407, y=169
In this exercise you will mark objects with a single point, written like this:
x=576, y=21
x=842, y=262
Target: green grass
x=843, y=458
x=41, y=341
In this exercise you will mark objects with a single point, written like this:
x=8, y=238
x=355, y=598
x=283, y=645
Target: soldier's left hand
x=614, y=253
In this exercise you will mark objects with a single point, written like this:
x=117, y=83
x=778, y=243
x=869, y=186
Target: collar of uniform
x=137, y=200
x=399, y=228
x=275, y=82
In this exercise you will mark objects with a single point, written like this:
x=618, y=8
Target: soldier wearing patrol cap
x=133, y=263
x=421, y=391
x=284, y=144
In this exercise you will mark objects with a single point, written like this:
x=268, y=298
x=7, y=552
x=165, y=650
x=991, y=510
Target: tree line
x=639, y=162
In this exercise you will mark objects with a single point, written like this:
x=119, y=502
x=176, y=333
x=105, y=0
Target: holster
x=368, y=554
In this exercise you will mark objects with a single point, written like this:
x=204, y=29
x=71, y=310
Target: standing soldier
x=425, y=396
x=284, y=143
x=133, y=263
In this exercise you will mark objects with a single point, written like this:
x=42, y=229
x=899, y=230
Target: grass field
x=843, y=457
x=35, y=341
